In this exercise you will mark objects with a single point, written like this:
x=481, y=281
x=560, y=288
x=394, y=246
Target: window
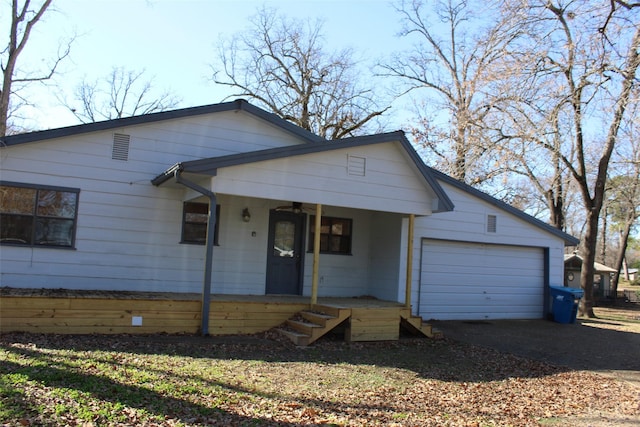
x=33, y=215
x=194, y=223
x=335, y=235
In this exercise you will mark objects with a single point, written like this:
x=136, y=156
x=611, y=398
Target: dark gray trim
x=547, y=283
x=167, y=175
x=35, y=215
x=39, y=186
x=210, y=166
x=568, y=239
x=239, y=104
x=208, y=261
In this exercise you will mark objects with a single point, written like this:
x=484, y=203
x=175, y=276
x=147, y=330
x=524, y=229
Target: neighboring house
x=601, y=278
x=123, y=205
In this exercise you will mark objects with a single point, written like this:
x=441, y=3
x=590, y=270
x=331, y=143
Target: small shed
x=601, y=279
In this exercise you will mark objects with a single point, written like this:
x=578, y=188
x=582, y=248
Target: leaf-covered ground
x=189, y=381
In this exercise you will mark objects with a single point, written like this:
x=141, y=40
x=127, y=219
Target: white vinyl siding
x=391, y=183
x=128, y=231
x=468, y=222
x=474, y=261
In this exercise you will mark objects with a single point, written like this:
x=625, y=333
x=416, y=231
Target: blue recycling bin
x=564, y=305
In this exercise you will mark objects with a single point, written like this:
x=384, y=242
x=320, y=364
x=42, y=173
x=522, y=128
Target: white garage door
x=473, y=281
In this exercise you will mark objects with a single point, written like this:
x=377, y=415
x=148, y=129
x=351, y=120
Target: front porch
x=113, y=312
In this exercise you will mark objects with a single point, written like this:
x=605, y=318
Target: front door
x=285, y=253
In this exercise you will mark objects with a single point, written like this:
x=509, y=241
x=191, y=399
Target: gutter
x=167, y=175
x=208, y=261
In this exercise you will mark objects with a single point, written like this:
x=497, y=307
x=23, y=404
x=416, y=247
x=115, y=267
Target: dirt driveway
x=610, y=344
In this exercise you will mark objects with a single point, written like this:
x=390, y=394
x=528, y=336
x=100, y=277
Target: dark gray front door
x=285, y=253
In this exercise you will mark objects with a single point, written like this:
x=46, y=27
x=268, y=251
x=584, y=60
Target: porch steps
x=308, y=326
x=416, y=325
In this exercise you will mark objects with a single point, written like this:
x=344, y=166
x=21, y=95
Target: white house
x=124, y=205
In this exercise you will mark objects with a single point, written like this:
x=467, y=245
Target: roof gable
x=239, y=104
x=210, y=166
x=575, y=260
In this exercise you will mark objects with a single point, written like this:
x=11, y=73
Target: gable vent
x=356, y=166
x=492, y=223
x=120, y=149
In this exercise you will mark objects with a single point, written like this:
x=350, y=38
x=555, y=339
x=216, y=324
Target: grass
x=627, y=313
x=184, y=381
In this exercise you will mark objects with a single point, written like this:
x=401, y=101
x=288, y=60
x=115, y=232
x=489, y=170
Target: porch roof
x=210, y=166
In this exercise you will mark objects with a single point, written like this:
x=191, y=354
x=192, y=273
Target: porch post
x=407, y=291
x=208, y=262
x=316, y=254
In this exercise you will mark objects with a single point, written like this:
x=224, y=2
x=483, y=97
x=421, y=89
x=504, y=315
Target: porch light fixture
x=246, y=216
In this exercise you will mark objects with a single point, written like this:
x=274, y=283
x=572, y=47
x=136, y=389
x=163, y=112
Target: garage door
x=473, y=281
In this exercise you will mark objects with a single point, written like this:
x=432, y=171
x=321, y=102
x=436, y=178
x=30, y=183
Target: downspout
x=208, y=257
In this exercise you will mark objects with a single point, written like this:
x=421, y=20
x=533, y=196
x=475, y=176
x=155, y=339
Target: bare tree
x=585, y=56
x=23, y=18
x=121, y=93
x=450, y=64
x=626, y=213
x=525, y=134
x=281, y=64
x=624, y=190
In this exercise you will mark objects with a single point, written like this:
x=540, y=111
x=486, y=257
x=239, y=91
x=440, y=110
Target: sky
x=174, y=41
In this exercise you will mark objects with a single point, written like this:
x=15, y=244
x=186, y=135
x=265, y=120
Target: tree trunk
x=624, y=239
x=18, y=37
x=588, y=258
x=461, y=148
x=603, y=239
x=594, y=206
x=556, y=209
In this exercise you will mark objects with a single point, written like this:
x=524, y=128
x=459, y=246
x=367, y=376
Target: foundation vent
x=120, y=150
